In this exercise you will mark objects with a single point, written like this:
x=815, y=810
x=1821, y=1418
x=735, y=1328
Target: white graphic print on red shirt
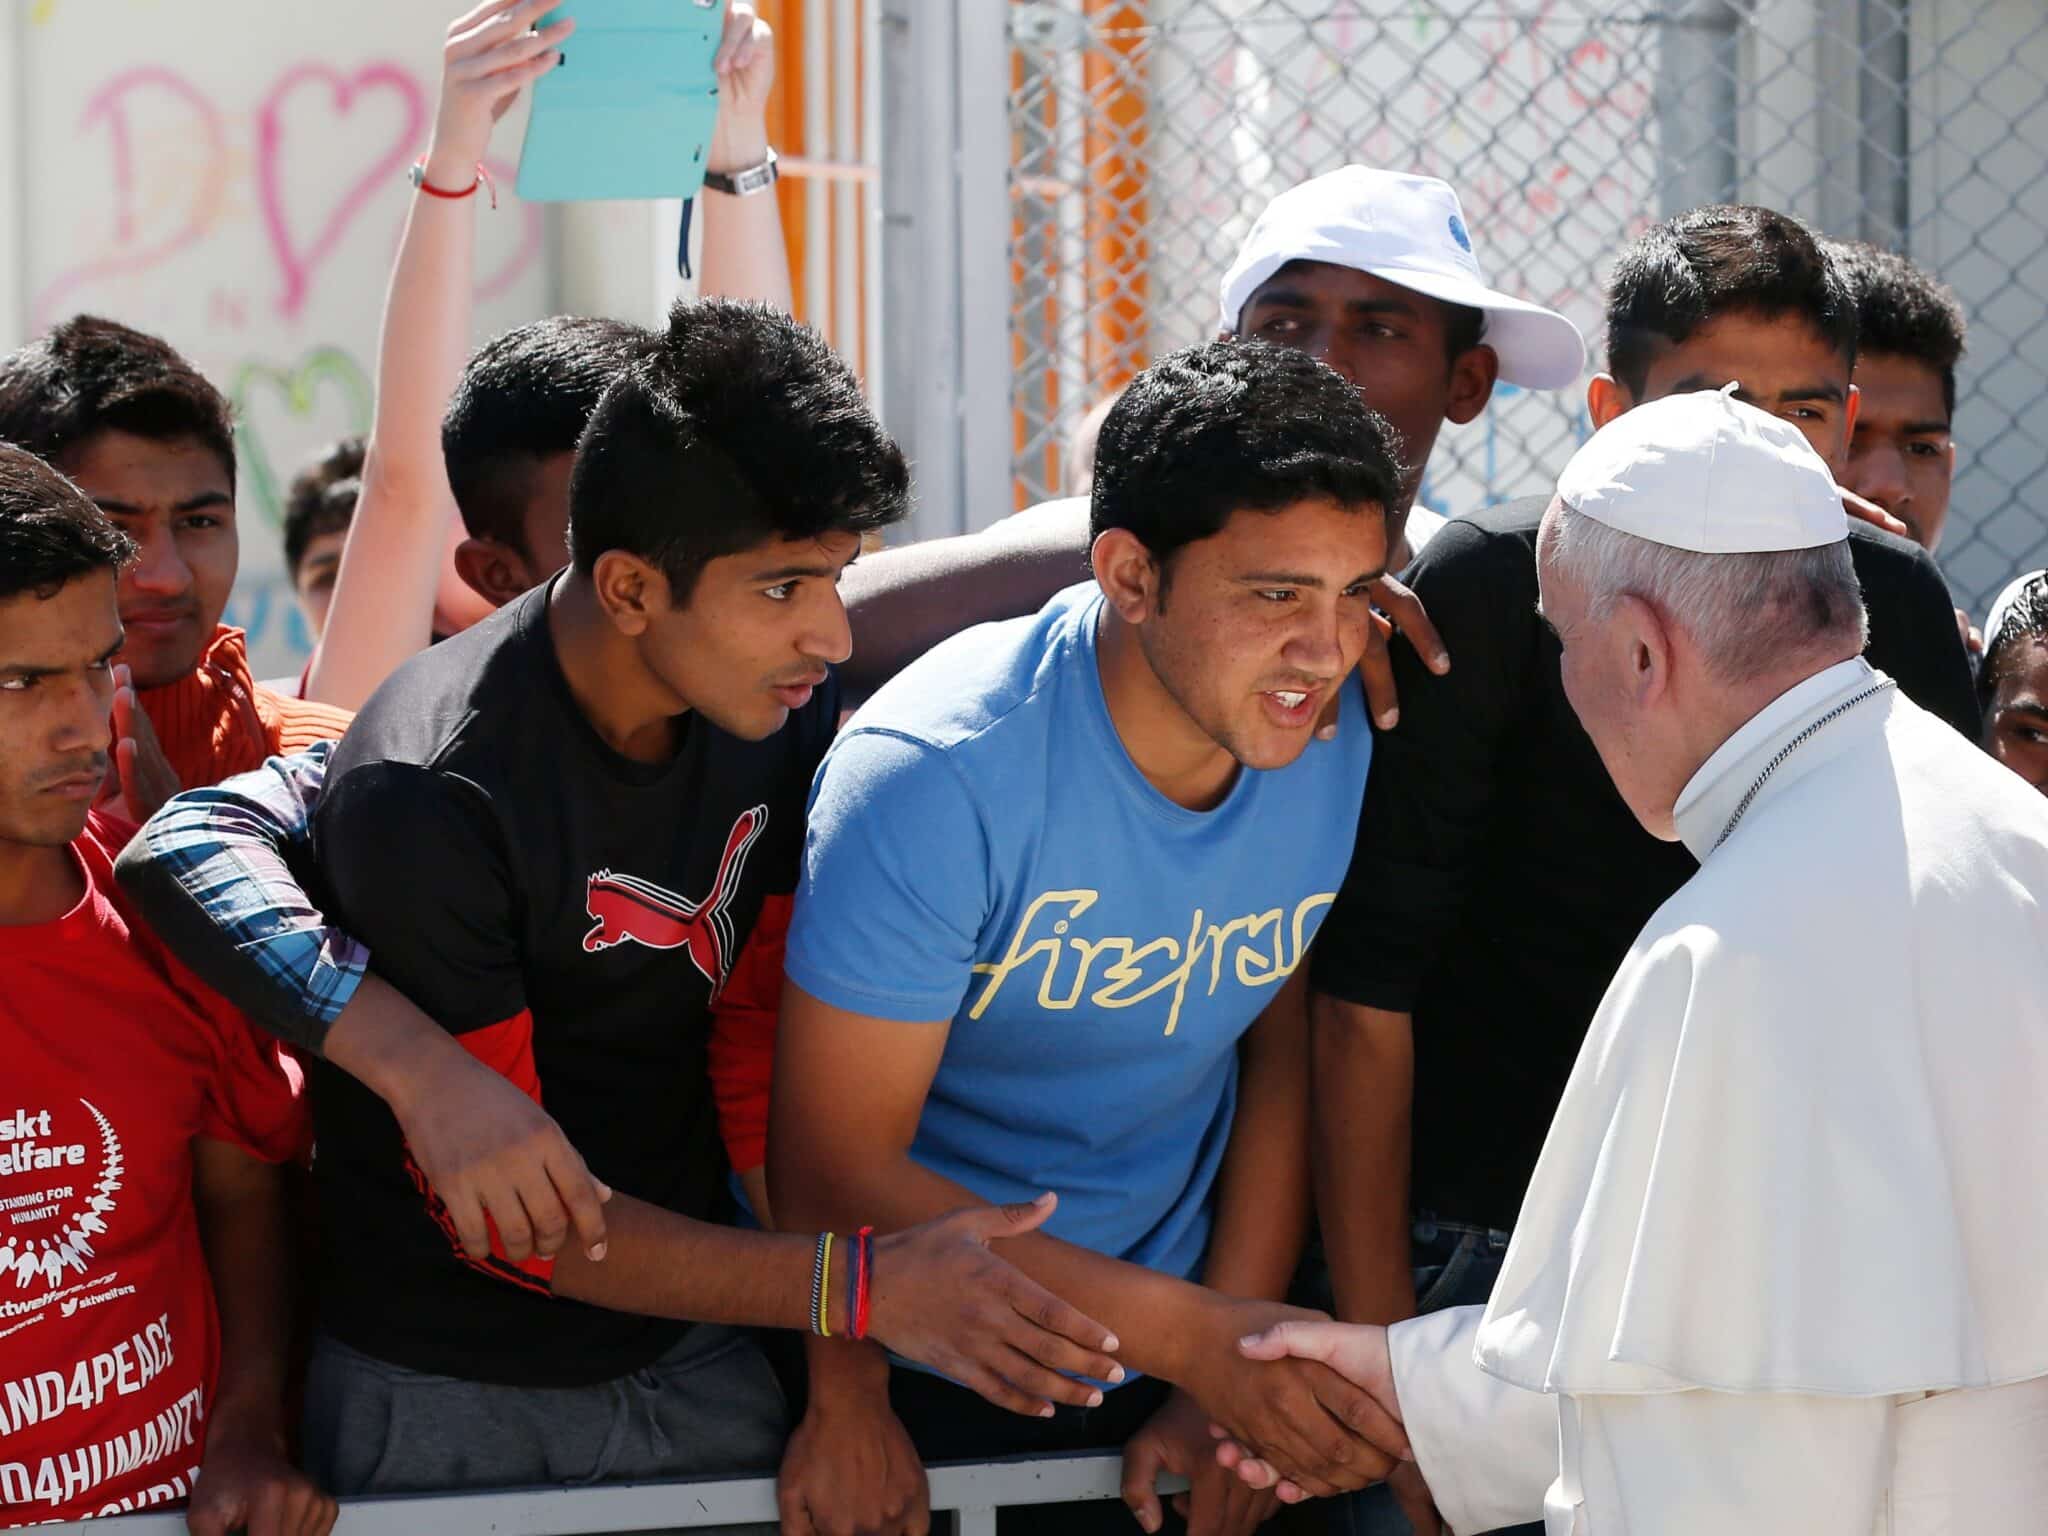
x=115, y=1060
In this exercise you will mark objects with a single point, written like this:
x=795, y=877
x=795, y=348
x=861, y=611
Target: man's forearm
x=659, y=1264
x=904, y=601
x=1364, y=1074
x=246, y=1238
x=1263, y=1195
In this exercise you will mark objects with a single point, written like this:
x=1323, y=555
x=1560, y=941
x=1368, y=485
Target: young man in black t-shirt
x=561, y=834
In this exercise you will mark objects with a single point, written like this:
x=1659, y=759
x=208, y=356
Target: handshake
x=1274, y=1442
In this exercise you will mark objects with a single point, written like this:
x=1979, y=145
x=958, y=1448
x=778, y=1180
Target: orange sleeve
x=295, y=724
x=743, y=1038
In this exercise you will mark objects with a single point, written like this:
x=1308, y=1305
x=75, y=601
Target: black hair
x=736, y=427
x=1235, y=425
x=50, y=532
x=1689, y=271
x=2026, y=619
x=525, y=396
x=322, y=498
x=1902, y=311
x=88, y=376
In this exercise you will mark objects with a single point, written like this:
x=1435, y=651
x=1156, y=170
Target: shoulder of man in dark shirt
x=1914, y=639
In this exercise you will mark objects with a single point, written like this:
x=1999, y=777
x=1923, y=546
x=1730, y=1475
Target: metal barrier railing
x=971, y=1492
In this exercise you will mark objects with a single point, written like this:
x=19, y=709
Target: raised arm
x=744, y=255
x=392, y=563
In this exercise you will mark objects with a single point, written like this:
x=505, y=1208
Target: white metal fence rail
x=970, y=1492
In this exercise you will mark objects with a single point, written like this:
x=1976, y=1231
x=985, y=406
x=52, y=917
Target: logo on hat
x=1458, y=234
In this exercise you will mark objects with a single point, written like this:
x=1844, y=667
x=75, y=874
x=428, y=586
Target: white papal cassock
x=1783, y=1264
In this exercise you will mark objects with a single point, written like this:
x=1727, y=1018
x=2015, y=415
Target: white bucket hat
x=1411, y=231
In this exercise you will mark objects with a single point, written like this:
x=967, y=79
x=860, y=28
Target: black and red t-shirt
x=569, y=914
x=113, y=1059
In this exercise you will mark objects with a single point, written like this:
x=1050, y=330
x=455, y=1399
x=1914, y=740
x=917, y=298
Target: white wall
x=230, y=175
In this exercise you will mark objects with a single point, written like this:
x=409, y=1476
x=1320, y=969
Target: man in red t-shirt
x=140, y=1119
x=151, y=441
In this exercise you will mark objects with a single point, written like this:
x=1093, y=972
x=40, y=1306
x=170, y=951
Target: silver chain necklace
x=1777, y=762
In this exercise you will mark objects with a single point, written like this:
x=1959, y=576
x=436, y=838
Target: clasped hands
x=1356, y=1353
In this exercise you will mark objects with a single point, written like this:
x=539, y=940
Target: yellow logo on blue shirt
x=1263, y=948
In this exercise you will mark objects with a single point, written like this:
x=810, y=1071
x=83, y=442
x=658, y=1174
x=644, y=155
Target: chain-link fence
x=1147, y=134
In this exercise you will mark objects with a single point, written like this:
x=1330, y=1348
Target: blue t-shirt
x=982, y=850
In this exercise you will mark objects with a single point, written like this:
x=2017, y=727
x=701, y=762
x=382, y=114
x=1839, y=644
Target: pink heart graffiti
x=297, y=261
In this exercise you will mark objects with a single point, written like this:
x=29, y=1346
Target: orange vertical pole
x=1118, y=184
x=786, y=129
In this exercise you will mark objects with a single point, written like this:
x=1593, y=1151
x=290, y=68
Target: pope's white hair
x=1748, y=613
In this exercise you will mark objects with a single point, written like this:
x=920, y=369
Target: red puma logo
x=624, y=908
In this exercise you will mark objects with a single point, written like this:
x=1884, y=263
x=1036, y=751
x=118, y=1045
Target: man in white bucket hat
x=1374, y=272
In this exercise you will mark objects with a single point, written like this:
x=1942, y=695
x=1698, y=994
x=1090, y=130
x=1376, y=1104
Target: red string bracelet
x=864, y=1276
x=483, y=179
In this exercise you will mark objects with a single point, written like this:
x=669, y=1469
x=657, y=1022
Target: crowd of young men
x=609, y=973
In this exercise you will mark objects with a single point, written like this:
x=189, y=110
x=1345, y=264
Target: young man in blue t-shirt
x=1059, y=880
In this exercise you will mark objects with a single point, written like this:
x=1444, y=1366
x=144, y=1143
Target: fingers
x=470, y=20
x=1405, y=609
x=583, y=1196
x=466, y=1211
x=796, y=1514
x=1144, y=1460
x=321, y=1510
x=1052, y=1333
x=1360, y=1412
x=1302, y=1340
x=1041, y=1385
x=989, y=1222
x=735, y=47
x=1251, y=1471
x=527, y=48
x=267, y=1509
x=1331, y=717
x=211, y=1517
x=508, y=1220
x=128, y=774
x=1376, y=671
x=1868, y=511
x=985, y=1383
x=491, y=24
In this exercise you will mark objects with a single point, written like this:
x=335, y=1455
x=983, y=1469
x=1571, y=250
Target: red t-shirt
x=112, y=1059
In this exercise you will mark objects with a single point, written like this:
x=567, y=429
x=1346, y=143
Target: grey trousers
x=710, y=1407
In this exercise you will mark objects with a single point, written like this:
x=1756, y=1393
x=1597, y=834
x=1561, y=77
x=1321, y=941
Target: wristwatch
x=744, y=183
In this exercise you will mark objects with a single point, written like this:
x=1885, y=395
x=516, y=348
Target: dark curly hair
x=1235, y=425
x=736, y=427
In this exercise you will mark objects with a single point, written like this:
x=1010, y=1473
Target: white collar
x=1711, y=796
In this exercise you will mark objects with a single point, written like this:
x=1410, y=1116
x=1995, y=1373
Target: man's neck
x=1728, y=709
x=1176, y=756
x=605, y=677
x=37, y=884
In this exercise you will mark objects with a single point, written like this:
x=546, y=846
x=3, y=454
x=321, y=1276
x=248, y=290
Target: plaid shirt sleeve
x=213, y=872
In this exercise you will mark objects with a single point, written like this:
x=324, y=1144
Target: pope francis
x=1783, y=1264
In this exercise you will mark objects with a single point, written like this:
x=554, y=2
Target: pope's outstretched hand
x=1357, y=1352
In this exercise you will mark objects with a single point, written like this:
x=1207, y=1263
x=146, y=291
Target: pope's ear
x=1650, y=646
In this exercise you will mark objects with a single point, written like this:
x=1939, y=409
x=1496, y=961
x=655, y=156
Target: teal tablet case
x=630, y=110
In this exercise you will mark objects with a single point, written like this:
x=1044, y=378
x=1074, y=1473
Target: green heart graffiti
x=297, y=387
